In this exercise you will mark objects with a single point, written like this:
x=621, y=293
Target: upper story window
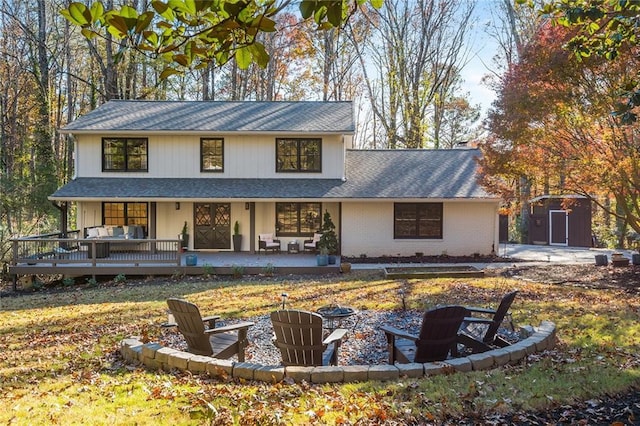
x=417, y=220
x=212, y=155
x=298, y=155
x=124, y=154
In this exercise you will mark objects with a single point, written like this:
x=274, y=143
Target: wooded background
x=401, y=65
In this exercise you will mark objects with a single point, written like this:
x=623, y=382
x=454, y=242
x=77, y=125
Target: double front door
x=212, y=226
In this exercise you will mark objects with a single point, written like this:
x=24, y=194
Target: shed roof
x=371, y=174
x=215, y=117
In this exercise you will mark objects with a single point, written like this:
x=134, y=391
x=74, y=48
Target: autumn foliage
x=552, y=123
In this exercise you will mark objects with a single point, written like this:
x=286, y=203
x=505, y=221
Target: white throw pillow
x=103, y=233
x=316, y=237
x=92, y=233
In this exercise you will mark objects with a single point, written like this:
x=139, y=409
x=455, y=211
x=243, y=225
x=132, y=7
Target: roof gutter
x=272, y=200
x=109, y=132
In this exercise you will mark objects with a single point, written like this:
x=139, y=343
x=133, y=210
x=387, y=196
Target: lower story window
x=121, y=214
x=417, y=220
x=297, y=219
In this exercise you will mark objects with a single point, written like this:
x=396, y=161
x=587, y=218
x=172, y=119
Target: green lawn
x=59, y=360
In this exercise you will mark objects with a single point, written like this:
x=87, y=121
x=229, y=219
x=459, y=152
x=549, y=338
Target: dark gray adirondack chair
x=436, y=341
x=218, y=342
x=300, y=338
x=472, y=337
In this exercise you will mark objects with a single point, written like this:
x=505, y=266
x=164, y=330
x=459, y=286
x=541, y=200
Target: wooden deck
x=80, y=257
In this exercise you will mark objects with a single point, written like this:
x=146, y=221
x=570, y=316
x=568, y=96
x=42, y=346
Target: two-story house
x=274, y=167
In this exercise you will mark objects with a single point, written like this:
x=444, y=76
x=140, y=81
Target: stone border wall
x=155, y=356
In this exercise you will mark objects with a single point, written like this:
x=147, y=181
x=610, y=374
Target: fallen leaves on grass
x=65, y=344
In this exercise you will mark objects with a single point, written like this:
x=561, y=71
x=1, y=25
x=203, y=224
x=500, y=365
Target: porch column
x=64, y=217
x=252, y=227
x=153, y=208
x=340, y=228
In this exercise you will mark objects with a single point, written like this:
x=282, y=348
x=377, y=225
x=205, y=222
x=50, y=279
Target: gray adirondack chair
x=436, y=341
x=300, y=337
x=202, y=335
x=473, y=338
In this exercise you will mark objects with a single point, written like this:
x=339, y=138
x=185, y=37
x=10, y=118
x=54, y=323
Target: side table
x=293, y=247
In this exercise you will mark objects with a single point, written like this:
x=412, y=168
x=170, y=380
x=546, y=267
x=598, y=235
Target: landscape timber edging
x=156, y=357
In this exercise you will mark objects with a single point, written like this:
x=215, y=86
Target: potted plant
x=237, y=237
x=322, y=258
x=329, y=239
x=184, y=236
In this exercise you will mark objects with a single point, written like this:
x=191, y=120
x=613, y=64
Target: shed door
x=558, y=228
x=212, y=226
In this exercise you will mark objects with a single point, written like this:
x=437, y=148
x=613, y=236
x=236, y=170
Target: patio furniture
x=300, y=338
x=266, y=242
x=120, y=239
x=481, y=334
x=103, y=249
x=63, y=253
x=218, y=342
x=436, y=341
x=312, y=244
x=293, y=247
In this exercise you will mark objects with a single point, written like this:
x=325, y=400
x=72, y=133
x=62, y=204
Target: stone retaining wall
x=157, y=357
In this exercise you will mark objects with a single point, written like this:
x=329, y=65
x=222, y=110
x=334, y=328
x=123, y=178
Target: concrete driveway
x=556, y=254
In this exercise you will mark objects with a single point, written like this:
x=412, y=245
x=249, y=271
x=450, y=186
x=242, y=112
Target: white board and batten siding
x=169, y=221
x=178, y=156
x=468, y=227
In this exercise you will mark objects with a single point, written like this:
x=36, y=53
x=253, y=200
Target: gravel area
x=364, y=344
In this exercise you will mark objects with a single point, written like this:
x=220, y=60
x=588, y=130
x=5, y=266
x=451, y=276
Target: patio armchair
x=436, y=341
x=312, y=244
x=480, y=334
x=266, y=242
x=202, y=335
x=300, y=337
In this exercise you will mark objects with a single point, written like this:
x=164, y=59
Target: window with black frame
x=298, y=155
x=212, y=154
x=298, y=219
x=417, y=220
x=124, y=154
x=121, y=214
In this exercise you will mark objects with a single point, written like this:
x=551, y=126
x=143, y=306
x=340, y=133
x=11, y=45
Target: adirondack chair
x=472, y=337
x=436, y=340
x=218, y=342
x=299, y=336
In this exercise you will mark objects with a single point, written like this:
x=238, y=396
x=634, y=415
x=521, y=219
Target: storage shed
x=560, y=220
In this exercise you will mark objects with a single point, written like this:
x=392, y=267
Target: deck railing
x=53, y=250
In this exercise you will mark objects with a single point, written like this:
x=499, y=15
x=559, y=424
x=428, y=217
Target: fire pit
x=335, y=313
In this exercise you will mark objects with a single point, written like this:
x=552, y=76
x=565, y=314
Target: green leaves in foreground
x=190, y=34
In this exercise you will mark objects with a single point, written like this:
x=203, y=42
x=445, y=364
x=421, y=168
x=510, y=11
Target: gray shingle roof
x=213, y=116
x=397, y=174
x=413, y=174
